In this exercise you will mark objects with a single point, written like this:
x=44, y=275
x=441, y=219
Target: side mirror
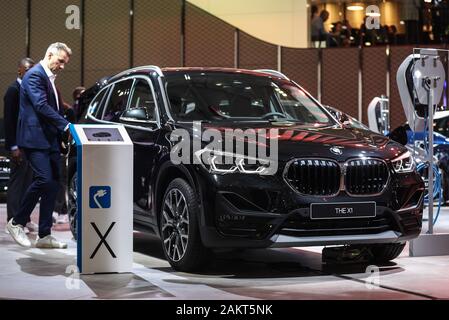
x=141, y=114
x=340, y=116
x=330, y=110
x=169, y=125
x=344, y=119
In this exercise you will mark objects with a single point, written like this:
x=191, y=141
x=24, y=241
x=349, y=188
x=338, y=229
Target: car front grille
x=324, y=177
x=366, y=176
x=315, y=177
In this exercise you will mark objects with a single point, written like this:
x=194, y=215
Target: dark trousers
x=45, y=186
x=20, y=178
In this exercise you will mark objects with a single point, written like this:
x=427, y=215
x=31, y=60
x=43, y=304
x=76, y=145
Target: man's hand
x=16, y=156
x=65, y=142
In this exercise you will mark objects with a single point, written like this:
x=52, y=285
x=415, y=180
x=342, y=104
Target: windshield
x=217, y=96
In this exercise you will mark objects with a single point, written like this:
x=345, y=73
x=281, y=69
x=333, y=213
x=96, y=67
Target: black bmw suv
x=326, y=182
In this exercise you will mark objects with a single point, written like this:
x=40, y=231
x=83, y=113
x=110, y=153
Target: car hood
x=296, y=141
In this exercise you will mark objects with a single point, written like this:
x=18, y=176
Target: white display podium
x=104, y=198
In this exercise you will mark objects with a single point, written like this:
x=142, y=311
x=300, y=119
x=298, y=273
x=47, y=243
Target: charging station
x=421, y=79
x=105, y=198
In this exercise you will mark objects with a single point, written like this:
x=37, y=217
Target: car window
x=95, y=108
x=142, y=97
x=118, y=101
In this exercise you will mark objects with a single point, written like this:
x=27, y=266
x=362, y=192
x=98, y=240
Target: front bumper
x=282, y=241
x=264, y=212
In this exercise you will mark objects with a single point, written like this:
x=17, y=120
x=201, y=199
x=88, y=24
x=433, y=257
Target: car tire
x=72, y=208
x=386, y=252
x=179, y=228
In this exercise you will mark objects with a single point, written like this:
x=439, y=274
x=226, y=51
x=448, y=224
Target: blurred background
x=345, y=66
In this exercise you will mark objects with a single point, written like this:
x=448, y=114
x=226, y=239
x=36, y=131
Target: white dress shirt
x=52, y=78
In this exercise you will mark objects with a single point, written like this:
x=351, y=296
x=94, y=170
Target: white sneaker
x=24, y=229
x=62, y=218
x=49, y=242
x=32, y=227
x=18, y=234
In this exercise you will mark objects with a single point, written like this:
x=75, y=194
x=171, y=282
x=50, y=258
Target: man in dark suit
x=40, y=128
x=21, y=173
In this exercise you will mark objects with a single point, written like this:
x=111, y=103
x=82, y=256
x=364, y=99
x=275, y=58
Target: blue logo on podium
x=100, y=197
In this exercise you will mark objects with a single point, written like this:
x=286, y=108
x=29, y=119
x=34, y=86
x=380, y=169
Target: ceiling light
x=355, y=8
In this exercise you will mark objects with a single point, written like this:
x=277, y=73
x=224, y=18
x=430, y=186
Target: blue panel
x=79, y=150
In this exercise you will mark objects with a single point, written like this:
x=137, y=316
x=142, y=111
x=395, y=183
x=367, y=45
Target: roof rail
x=129, y=71
x=273, y=73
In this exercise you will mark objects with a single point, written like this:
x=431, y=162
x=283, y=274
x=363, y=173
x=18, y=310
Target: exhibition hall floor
x=295, y=273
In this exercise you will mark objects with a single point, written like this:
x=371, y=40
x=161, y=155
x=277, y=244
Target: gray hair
x=54, y=48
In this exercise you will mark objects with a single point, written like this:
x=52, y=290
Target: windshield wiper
x=283, y=122
x=274, y=116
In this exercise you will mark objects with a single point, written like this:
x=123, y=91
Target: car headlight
x=404, y=163
x=219, y=162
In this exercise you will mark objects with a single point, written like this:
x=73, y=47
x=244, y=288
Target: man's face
x=23, y=69
x=56, y=62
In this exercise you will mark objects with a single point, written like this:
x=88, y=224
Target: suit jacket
x=11, y=113
x=40, y=123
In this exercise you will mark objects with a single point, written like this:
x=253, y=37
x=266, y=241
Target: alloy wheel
x=175, y=224
x=72, y=205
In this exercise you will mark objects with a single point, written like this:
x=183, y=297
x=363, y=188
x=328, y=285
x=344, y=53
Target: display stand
x=105, y=198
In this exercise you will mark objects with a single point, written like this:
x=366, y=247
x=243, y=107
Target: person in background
x=21, y=174
x=336, y=35
x=318, y=31
x=313, y=12
x=392, y=31
x=348, y=33
x=76, y=97
x=347, y=27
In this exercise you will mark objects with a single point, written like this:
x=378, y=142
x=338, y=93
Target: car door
x=141, y=120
